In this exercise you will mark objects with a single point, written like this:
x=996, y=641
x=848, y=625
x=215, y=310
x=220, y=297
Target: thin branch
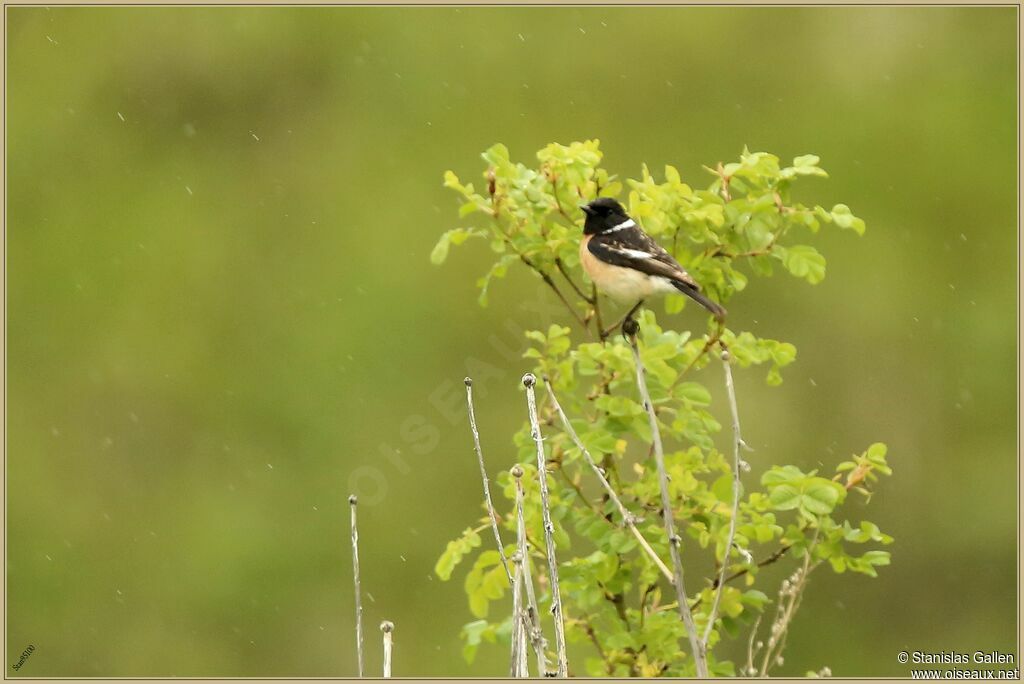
x=544, y=276
x=352, y=501
x=752, y=649
x=558, y=203
x=551, y=283
x=696, y=646
x=776, y=555
x=725, y=182
x=790, y=595
x=738, y=465
x=483, y=475
x=517, y=665
x=565, y=274
x=387, y=627
x=708, y=344
x=579, y=492
x=589, y=629
x=628, y=519
x=549, y=528
x=532, y=611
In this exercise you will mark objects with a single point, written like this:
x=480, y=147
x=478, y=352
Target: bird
x=628, y=265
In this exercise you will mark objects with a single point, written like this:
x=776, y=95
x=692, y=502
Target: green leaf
x=674, y=303
x=455, y=552
x=473, y=634
x=779, y=475
x=877, y=557
x=498, y=270
x=805, y=165
x=496, y=155
x=784, y=498
x=783, y=354
x=844, y=218
x=694, y=392
x=722, y=488
x=804, y=261
x=618, y=406
x=455, y=236
x=452, y=181
x=877, y=451
x=440, y=251
x=821, y=498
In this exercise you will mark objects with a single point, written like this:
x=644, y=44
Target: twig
x=696, y=646
x=518, y=666
x=565, y=274
x=708, y=344
x=790, y=595
x=549, y=528
x=738, y=464
x=776, y=555
x=628, y=519
x=532, y=611
x=752, y=649
x=352, y=501
x=725, y=182
x=551, y=283
x=558, y=203
x=542, y=273
x=579, y=492
x=483, y=475
x=387, y=627
x=589, y=629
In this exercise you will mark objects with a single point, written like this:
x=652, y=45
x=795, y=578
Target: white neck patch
x=628, y=223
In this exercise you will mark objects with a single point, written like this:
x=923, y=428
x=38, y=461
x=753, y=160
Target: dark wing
x=635, y=249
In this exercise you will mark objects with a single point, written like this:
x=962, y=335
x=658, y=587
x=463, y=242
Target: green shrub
x=616, y=598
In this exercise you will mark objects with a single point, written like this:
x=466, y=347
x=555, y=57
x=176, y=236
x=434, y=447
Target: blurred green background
x=222, y=317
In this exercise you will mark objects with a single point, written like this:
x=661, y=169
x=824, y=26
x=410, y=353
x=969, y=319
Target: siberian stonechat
x=627, y=264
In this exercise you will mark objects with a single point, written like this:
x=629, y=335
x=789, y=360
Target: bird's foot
x=630, y=328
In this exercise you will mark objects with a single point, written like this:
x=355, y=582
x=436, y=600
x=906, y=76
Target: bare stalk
x=535, y=634
x=518, y=666
x=790, y=595
x=387, y=627
x=355, y=574
x=685, y=614
x=753, y=646
x=549, y=528
x=738, y=466
x=483, y=475
x=628, y=519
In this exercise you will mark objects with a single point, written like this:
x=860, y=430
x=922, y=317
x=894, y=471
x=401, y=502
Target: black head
x=603, y=214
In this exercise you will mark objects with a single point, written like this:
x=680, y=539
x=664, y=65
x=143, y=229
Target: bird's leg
x=719, y=328
x=625, y=320
x=629, y=316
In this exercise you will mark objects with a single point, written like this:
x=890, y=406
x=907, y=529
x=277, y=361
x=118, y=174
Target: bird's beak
x=586, y=209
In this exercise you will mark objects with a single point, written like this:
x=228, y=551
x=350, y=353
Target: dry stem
x=355, y=574
x=549, y=528
x=737, y=468
x=483, y=475
x=628, y=519
x=532, y=611
x=387, y=628
x=696, y=646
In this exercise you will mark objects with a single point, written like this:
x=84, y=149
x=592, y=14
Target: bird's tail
x=695, y=294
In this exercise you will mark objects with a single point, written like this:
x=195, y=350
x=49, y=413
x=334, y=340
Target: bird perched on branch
x=627, y=264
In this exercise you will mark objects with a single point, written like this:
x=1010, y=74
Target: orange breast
x=624, y=285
